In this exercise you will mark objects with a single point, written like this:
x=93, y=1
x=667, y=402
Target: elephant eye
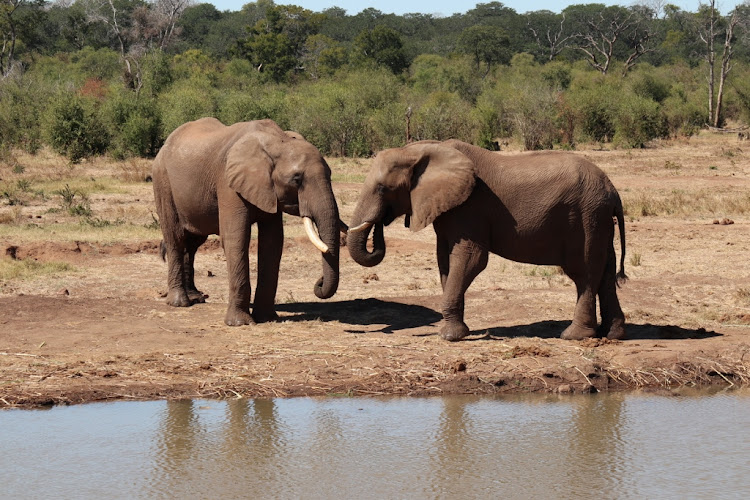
x=382, y=189
x=297, y=179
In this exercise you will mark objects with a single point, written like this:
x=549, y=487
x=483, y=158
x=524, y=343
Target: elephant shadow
x=364, y=312
x=552, y=329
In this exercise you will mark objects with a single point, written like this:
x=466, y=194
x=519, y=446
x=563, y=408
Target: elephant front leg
x=467, y=260
x=270, y=246
x=235, y=235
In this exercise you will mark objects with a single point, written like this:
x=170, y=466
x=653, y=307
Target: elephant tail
x=163, y=250
x=621, y=276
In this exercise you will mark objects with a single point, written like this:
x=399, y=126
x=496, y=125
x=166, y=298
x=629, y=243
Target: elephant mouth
x=389, y=216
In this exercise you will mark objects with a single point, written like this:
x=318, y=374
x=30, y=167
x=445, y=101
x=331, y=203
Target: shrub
x=186, y=100
x=22, y=100
x=595, y=108
x=134, y=125
x=638, y=120
x=533, y=110
x=73, y=129
x=255, y=104
x=339, y=116
x=441, y=116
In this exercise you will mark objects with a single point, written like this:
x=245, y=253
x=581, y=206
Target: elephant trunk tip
x=325, y=290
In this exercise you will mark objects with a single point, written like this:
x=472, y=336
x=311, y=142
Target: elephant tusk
x=312, y=233
x=362, y=227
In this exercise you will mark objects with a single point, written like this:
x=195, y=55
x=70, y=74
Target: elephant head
x=421, y=180
x=276, y=170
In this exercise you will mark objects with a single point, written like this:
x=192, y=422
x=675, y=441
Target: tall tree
x=713, y=30
x=611, y=30
x=382, y=45
x=550, y=32
x=10, y=29
x=275, y=44
x=486, y=44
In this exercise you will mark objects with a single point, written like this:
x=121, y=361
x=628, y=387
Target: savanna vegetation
x=115, y=77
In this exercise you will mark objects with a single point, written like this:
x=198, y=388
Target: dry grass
x=682, y=202
x=11, y=269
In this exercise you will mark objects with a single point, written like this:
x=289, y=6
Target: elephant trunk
x=356, y=241
x=327, y=221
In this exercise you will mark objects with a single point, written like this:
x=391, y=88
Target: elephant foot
x=238, y=317
x=453, y=331
x=178, y=298
x=265, y=316
x=576, y=332
x=616, y=330
x=196, y=296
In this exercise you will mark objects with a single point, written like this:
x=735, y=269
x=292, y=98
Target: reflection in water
x=610, y=446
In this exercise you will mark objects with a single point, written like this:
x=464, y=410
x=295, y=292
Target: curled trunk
x=325, y=214
x=356, y=242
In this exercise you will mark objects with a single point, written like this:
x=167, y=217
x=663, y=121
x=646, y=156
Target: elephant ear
x=248, y=171
x=442, y=179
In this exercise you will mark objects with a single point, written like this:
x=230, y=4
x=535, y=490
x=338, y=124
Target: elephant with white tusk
x=215, y=179
x=547, y=208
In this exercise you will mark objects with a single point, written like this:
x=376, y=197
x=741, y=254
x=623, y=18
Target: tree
x=613, y=28
x=486, y=44
x=322, y=55
x=10, y=28
x=711, y=27
x=275, y=44
x=383, y=46
x=550, y=32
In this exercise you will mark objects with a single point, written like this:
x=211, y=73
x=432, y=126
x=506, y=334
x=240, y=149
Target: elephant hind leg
x=584, y=319
x=174, y=239
x=192, y=243
x=613, y=319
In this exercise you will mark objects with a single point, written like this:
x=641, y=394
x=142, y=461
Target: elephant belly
x=197, y=214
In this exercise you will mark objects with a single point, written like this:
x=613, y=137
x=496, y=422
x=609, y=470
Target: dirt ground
x=96, y=327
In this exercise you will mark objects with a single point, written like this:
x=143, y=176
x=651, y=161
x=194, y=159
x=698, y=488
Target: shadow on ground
x=552, y=329
x=365, y=312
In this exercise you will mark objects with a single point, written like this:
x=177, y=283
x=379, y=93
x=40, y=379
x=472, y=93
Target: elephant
x=210, y=178
x=546, y=208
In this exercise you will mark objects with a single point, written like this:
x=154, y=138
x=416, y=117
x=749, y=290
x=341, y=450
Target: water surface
x=596, y=446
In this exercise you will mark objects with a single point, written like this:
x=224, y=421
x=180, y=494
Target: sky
x=445, y=8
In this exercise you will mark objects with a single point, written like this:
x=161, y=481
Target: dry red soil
x=102, y=330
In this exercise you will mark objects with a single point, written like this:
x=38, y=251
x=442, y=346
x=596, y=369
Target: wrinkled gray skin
x=546, y=208
x=215, y=179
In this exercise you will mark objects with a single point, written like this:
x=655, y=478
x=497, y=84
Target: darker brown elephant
x=547, y=208
x=215, y=179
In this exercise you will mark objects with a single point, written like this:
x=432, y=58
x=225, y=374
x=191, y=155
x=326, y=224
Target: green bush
x=339, y=116
x=185, y=101
x=253, y=104
x=22, y=100
x=638, y=121
x=442, y=116
x=534, y=113
x=73, y=129
x=595, y=105
x=683, y=114
x=134, y=125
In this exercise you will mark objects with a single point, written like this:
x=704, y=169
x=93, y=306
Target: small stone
x=63, y=291
x=564, y=389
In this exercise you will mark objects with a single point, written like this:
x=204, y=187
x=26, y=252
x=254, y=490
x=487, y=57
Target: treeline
x=117, y=76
